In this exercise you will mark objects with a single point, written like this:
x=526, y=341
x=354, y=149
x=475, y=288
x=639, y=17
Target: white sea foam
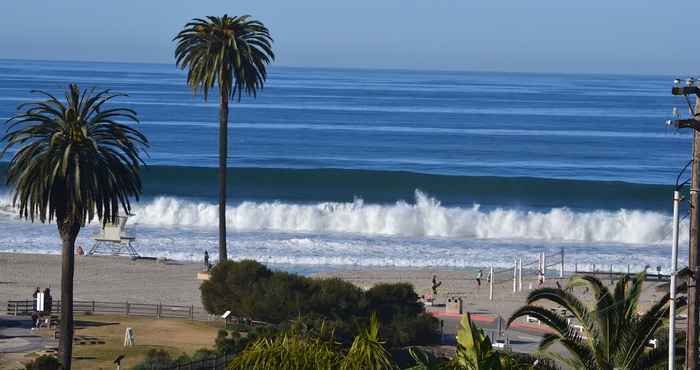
x=421, y=233
x=424, y=218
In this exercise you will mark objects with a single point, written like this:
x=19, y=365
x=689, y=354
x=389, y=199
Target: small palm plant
x=474, y=350
x=74, y=161
x=614, y=335
x=367, y=350
x=296, y=350
x=233, y=53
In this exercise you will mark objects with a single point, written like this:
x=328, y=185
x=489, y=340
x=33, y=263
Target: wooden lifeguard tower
x=114, y=240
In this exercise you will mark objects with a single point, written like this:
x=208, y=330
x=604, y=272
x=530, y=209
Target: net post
x=491, y=283
x=520, y=274
x=561, y=268
x=515, y=275
x=544, y=266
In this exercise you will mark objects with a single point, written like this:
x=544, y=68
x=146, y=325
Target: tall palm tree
x=233, y=53
x=614, y=334
x=74, y=161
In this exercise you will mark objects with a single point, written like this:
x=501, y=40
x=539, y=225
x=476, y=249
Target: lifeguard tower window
x=114, y=240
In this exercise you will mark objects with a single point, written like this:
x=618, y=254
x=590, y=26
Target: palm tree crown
x=614, y=334
x=74, y=160
x=231, y=51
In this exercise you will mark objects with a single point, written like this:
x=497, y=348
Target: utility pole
x=692, y=122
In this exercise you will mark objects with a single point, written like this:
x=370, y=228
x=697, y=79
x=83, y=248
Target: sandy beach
x=102, y=278
x=119, y=279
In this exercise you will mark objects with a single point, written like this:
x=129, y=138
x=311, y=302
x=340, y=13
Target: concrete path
x=16, y=335
x=523, y=338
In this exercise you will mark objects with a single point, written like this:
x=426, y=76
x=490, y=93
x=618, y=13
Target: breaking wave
x=427, y=217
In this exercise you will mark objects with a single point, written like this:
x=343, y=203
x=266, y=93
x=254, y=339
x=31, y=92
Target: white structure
x=674, y=271
x=114, y=240
x=129, y=338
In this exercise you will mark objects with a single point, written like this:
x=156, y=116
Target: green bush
x=288, y=351
x=228, y=343
x=44, y=362
x=388, y=300
x=405, y=330
x=156, y=359
x=233, y=286
x=249, y=289
x=281, y=297
x=337, y=299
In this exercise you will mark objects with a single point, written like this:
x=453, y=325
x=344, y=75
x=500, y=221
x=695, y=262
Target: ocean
x=337, y=168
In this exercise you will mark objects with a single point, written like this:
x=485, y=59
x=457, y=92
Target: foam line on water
x=424, y=218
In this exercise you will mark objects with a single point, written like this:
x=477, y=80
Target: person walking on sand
x=540, y=279
x=479, y=275
x=436, y=284
x=207, y=266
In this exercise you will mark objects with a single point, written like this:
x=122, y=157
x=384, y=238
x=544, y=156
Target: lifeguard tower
x=114, y=240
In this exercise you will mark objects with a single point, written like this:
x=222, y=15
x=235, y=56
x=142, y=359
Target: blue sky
x=619, y=36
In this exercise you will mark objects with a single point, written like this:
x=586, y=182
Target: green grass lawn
x=103, y=338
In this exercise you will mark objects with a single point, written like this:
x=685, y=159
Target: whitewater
x=419, y=233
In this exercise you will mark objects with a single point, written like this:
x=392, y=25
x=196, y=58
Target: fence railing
x=218, y=362
x=157, y=311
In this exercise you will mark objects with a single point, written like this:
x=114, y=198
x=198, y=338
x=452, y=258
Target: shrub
x=281, y=297
x=203, y=353
x=405, y=330
x=233, y=286
x=388, y=300
x=155, y=359
x=44, y=362
x=337, y=299
x=292, y=350
x=289, y=352
x=249, y=289
x=227, y=344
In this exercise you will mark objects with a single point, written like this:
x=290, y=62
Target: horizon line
x=358, y=68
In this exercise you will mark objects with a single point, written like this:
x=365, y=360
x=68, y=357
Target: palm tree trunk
x=68, y=230
x=223, y=157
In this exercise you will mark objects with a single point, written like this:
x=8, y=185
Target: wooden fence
x=157, y=311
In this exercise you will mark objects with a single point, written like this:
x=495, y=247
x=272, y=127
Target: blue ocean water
x=379, y=167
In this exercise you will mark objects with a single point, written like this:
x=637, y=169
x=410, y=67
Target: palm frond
x=74, y=160
x=232, y=52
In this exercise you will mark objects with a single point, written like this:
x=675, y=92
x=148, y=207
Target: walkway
x=16, y=335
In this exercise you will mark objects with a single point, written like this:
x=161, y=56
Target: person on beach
x=479, y=275
x=35, y=320
x=35, y=295
x=79, y=251
x=540, y=279
x=436, y=284
x=207, y=266
x=48, y=301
